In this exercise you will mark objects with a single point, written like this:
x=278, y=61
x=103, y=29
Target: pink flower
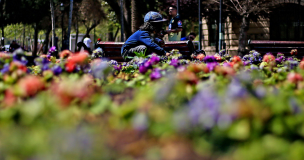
x=30, y=85
x=200, y=57
x=294, y=77
x=268, y=58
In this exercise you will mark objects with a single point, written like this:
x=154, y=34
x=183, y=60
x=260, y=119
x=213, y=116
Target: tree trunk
x=23, y=36
x=46, y=40
x=34, y=54
x=243, y=35
x=70, y=21
x=115, y=6
x=110, y=33
x=53, y=22
x=2, y=22
x=77, y=32
x=134, y=16
x=114, y=39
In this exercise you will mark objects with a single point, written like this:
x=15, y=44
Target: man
x=87, y=41
x=13, y=46
x=175, y=25
x=190, y=37
x=141, y=40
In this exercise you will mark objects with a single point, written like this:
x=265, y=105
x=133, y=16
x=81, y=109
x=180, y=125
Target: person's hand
x=167, y=54
x=167, y=31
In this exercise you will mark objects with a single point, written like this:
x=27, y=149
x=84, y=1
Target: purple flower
x=117, y=67
x=174, y=62
x=143, y=69
x=154, y=59
x=52, y=49
x=222, y=52
x=5, y=68
x=45, y=67
x=155, y=74
x=57, y=69
x=148, y=64
x=211, y=66
x=204, y=108
x=209, y=59
x=245, y=63
x=236, y=90
x=279, y=60
x=294, y=106
x=113, y=62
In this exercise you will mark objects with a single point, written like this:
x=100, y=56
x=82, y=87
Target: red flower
x=294, y=77
x=200, y=57
x=65, y=54
x=294, y=52
x=218, y=57
x=301, y=65
x=268, y=58
x=79, y=58
x=30, y=85
x=188, y=77
x=9, y=98
x=236, y=59
x=196, y=68
x=70, y=66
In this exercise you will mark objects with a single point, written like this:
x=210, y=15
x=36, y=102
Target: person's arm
x=146, y=39
x=174, y=30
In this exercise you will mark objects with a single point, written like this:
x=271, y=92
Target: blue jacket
x=142, y=38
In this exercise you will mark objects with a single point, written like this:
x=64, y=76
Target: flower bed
x=212, y=107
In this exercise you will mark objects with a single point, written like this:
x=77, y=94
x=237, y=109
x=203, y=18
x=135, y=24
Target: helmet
x=153, y=17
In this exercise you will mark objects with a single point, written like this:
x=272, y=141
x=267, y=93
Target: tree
x=91, y=14
x=246, y=10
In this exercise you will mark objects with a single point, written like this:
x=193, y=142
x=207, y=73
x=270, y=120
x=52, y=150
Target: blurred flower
x=196, y=68
x=294, y=52
x=113, y=62
x=294, y=77
x=211, y=66
x=99, y=68
x=260, y=91
x=294, y=106
x=79, y=58
x=30, y=85
x=174, y=62
x=5, y=68
x=209, y=59
x=200, y=57
x=279, y=60
x=65, y=54
x=204, y=108
x=218, y=57
x=155, y=74
x=57, y=70
x=52, y=49
x=301, y=65
x=143, y=69
x=140, y=121
x=188, y=77
x=70, y=66
x=117, y=67
x=235, y=89
x=268, y=58
x=148, y=65
x=222, y=52
x=154, y=59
